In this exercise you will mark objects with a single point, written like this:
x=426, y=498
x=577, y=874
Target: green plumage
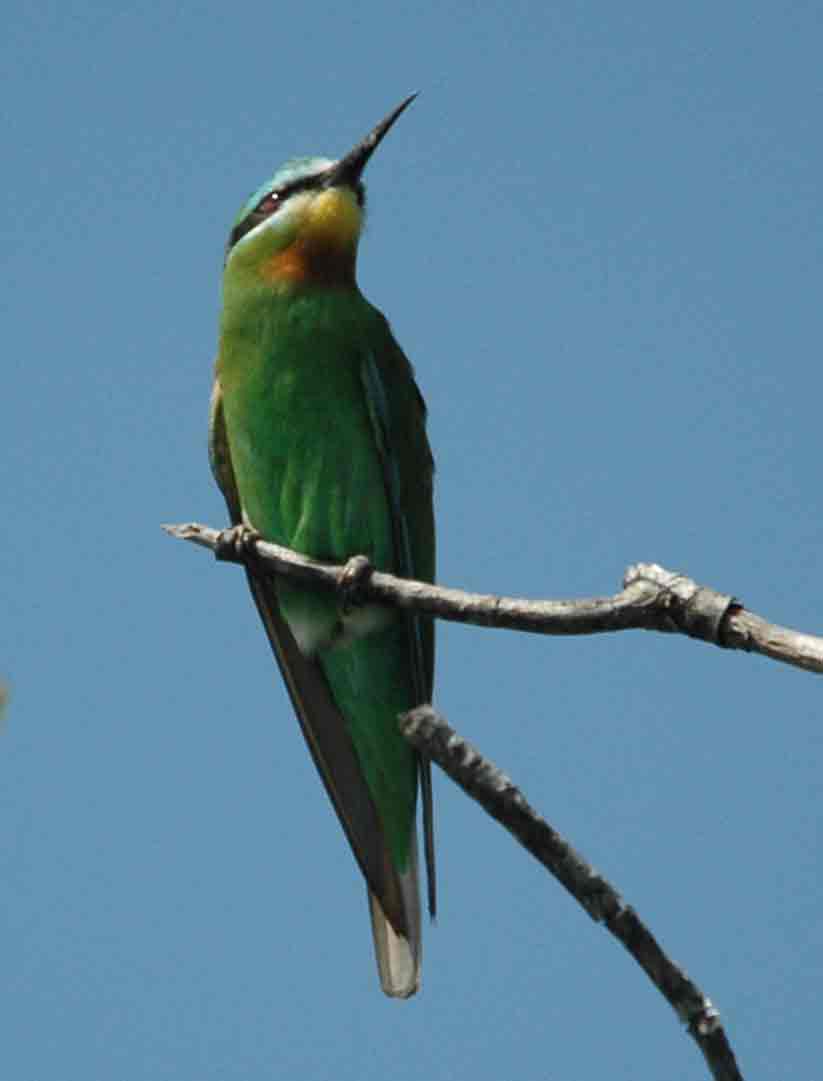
x=310, y=476
x=318, y=442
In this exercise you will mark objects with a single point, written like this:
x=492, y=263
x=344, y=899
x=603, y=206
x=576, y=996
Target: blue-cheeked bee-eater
x=318, y=442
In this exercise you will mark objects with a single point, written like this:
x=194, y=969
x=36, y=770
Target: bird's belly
x=319, y=492
x=318, y=624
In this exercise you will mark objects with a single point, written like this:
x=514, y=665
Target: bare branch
x=494, y=791
x=652, y=598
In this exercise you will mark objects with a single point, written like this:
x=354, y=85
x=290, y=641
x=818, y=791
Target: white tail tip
x=398, y=958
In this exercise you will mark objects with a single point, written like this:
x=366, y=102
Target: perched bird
x=317, y=438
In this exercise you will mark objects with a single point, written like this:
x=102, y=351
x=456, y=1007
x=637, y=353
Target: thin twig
x=494, y=791
x=652, y=598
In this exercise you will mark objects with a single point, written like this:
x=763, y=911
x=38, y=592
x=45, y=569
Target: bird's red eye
x=264, y=209
x=269, y=204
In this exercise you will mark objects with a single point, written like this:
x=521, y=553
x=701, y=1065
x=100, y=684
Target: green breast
x=299, y=430
x=309, y=476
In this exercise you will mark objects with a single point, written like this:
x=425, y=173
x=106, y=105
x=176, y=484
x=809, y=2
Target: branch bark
x=652, y=599
x=493, y=790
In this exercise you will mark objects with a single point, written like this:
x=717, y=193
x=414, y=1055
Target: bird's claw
x=236, y=544
x=353, y=579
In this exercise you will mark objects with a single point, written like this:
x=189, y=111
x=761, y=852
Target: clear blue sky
x=597, y=235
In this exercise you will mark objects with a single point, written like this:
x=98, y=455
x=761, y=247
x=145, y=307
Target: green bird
x=317, y=438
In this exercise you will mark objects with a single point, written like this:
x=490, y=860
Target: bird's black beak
x=350, y=168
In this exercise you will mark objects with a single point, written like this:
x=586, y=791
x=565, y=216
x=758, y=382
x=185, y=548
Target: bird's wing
x=395, y=404
x=324, y=727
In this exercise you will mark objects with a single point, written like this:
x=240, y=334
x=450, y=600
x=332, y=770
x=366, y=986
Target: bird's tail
x=399, y=956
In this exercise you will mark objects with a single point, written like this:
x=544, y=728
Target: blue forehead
x=294, y=169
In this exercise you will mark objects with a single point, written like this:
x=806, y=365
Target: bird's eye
x=268, y=204
x=264, y=209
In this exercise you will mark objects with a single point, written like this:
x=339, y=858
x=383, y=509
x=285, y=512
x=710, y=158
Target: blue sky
x=597, y=235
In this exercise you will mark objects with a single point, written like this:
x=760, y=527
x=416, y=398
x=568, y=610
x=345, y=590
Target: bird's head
x=303, y=225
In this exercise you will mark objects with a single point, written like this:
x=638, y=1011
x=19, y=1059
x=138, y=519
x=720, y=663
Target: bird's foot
x=353, y=579
x=235, y=545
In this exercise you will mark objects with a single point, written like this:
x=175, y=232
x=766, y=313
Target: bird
x=318, y=442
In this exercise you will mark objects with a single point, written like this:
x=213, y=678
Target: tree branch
x=493, y=790
x=652, y=598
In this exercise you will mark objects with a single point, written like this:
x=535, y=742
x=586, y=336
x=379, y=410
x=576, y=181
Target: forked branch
x=652, y=598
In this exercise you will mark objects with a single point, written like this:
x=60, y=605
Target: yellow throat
x=324, y=249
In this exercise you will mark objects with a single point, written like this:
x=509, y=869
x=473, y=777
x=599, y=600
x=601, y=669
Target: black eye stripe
x=267, y=206
x=270, y=202
x=246, y=225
